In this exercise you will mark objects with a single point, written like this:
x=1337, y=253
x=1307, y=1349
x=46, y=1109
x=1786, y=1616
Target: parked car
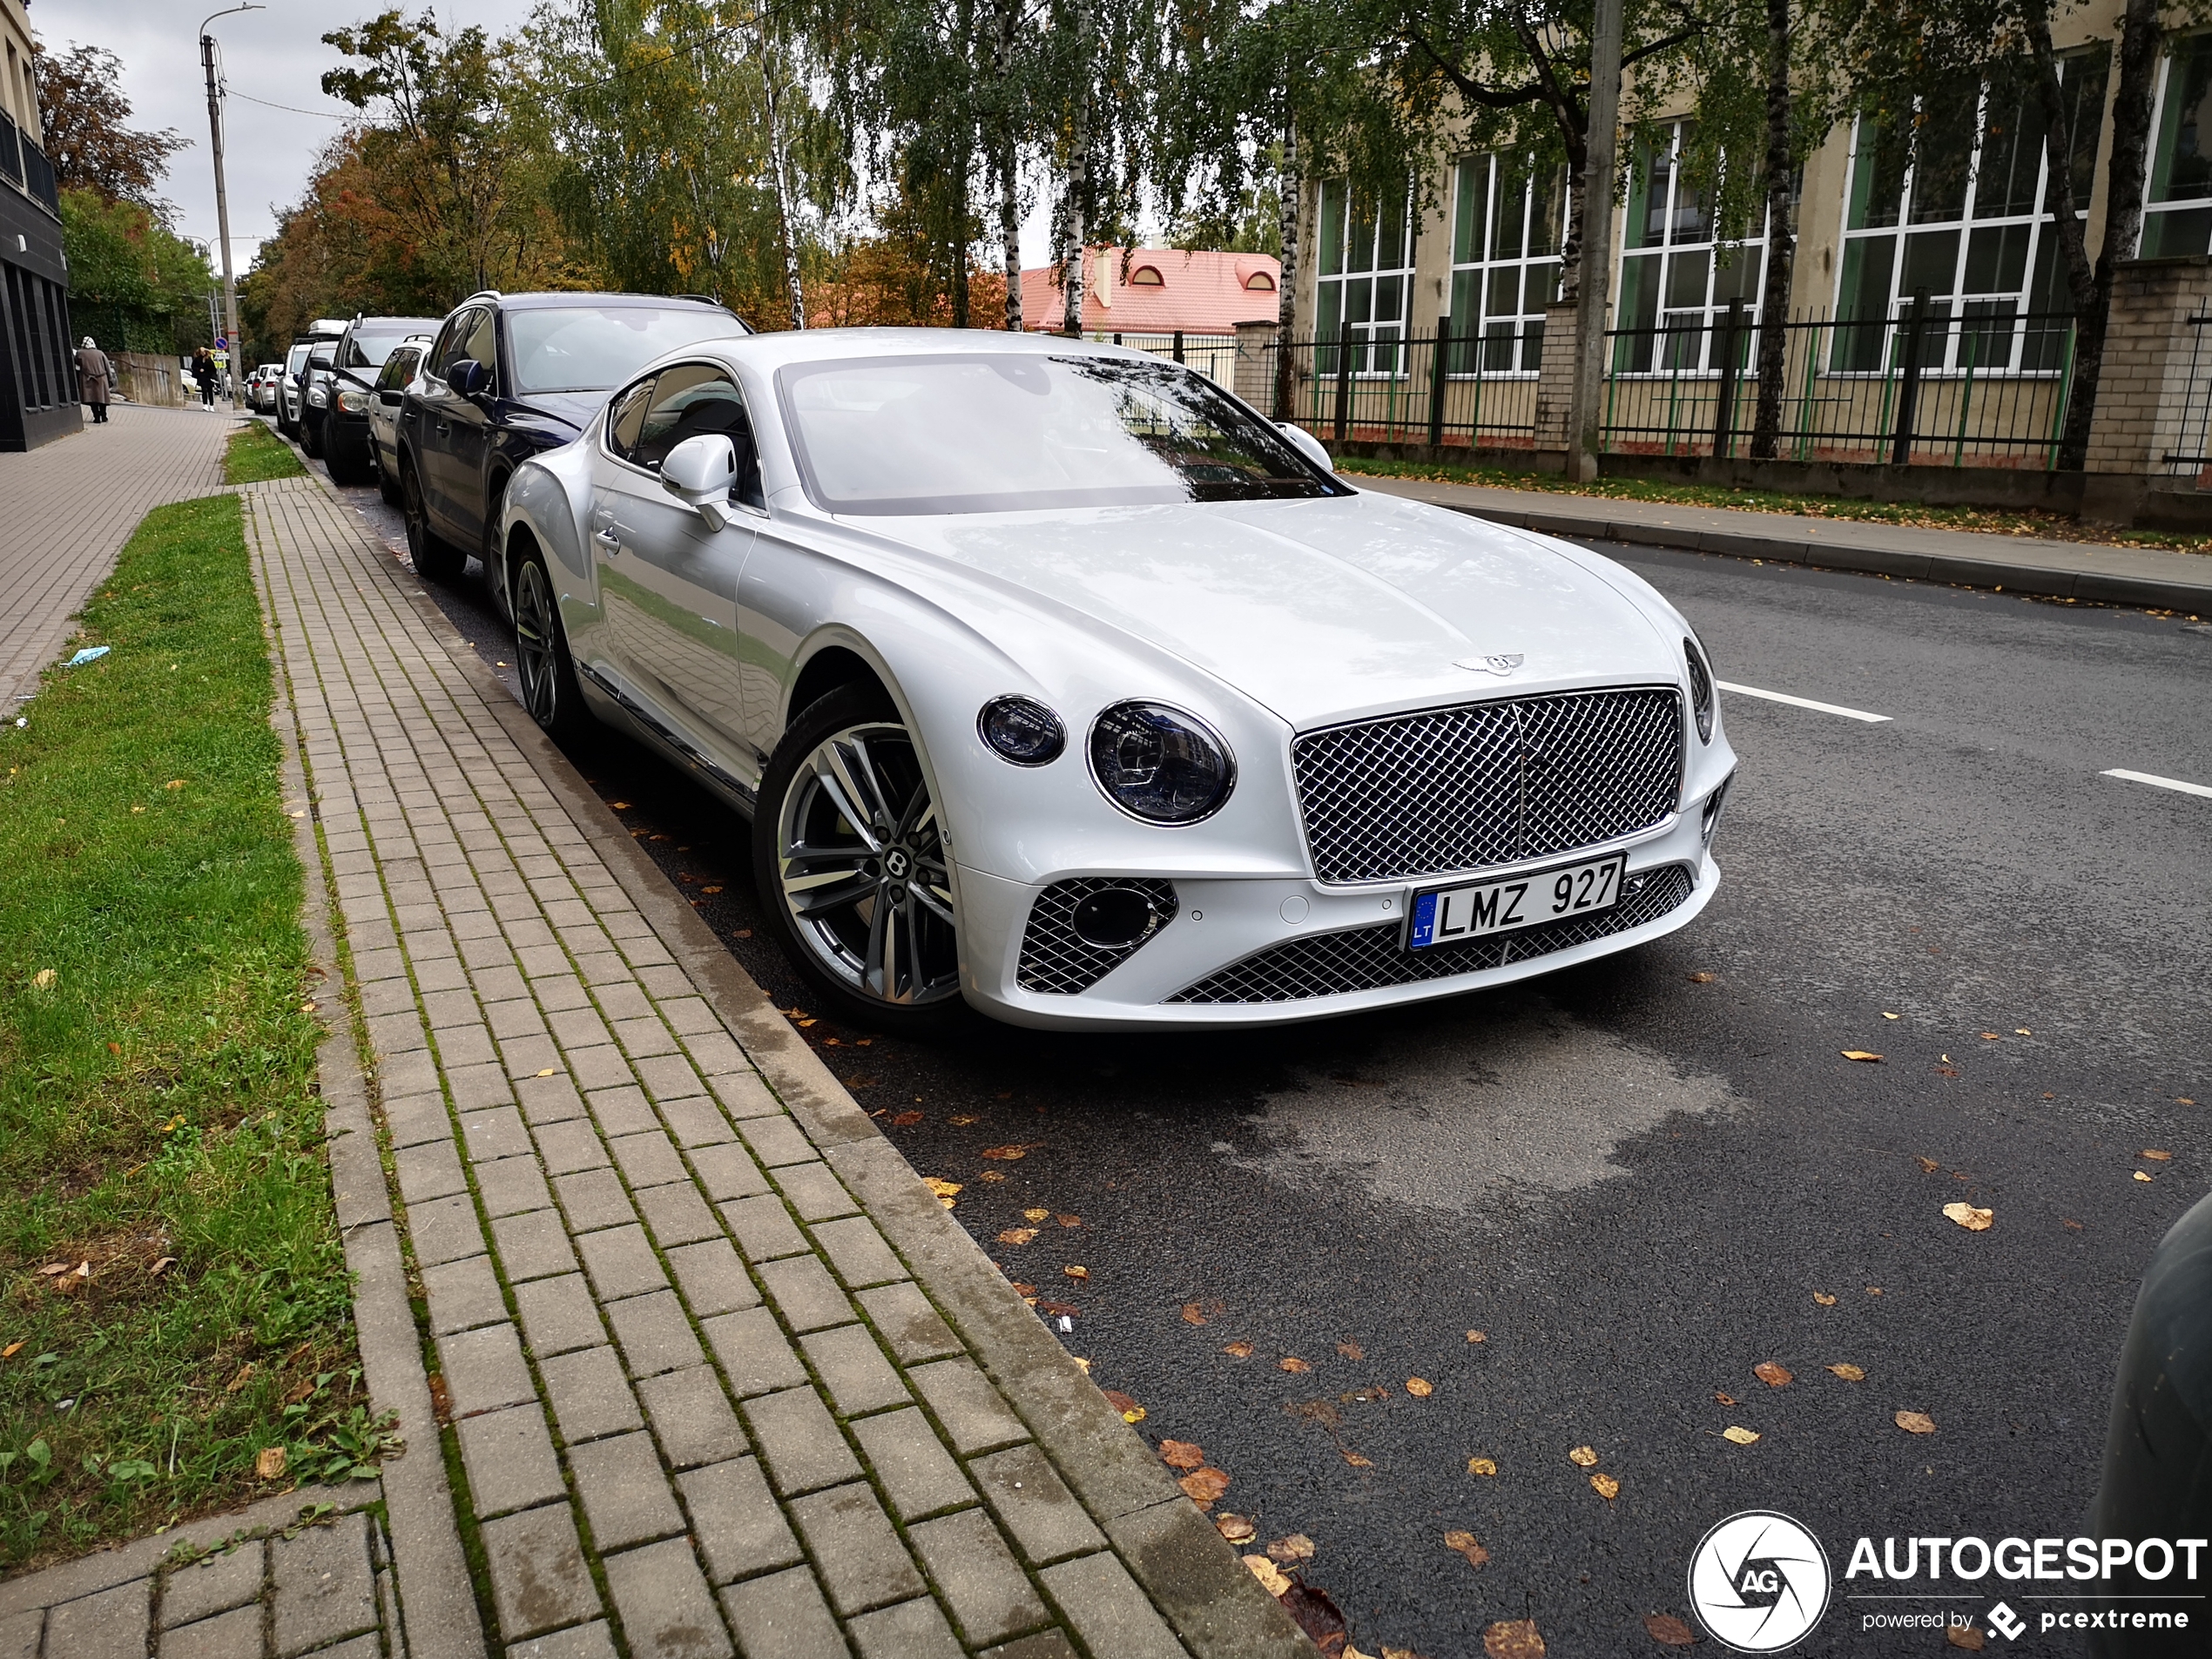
x=360, y=352
x=261, y=387
x=291, y=390
x=384, y=412
x=314, y=388
x=509, y=376
x=1055, y=679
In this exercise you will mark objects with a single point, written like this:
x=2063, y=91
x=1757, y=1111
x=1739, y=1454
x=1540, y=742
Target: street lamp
x=222, y=200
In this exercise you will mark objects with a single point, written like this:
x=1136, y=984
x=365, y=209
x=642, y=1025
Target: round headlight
x=1701, y=690
x=1159, y=764
x=1022, y=730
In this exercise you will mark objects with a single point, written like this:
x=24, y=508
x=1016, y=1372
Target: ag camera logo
x=1759, y=1581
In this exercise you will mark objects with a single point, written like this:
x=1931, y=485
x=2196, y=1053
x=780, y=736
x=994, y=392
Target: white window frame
x=1512, y=341
x=1695, y=349
x=1378, y=351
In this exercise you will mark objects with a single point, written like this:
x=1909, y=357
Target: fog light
x=1114, y=918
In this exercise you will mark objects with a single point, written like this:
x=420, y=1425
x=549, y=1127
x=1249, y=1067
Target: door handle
x=445, y=427
x=611, y=536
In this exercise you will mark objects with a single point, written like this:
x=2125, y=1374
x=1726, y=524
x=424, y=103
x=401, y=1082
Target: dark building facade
x=37, y=380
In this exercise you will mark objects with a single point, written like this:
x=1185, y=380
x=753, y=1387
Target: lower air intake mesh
x=1057, y=960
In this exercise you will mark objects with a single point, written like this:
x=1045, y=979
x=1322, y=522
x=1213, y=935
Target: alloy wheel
x=536, y=638
x=860, y=855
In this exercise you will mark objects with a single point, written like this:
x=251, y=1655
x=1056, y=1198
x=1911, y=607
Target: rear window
x=591, y=348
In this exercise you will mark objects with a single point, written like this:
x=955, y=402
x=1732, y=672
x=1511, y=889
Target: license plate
x=1447, y=916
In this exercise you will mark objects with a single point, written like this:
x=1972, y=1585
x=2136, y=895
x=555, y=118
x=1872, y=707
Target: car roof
x=820, y=345
x=585, y=297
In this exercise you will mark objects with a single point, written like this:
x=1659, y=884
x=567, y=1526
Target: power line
x=324, y=115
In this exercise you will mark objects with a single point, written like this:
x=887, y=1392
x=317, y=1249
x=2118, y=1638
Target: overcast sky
x=275, y=55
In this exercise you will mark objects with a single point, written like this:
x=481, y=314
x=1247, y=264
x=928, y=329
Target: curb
x=437, y=1597
x=1209, y=1598
x=2096, y=586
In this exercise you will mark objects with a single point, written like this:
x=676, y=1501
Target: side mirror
x=1306, y=444
x=700, y=472
x=468, y=378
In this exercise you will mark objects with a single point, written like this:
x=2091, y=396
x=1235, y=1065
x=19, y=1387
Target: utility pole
x=1586, y=402
x=222, y=199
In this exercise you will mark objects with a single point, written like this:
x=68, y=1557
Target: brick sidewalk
x=701, y=1403
x=71, y=504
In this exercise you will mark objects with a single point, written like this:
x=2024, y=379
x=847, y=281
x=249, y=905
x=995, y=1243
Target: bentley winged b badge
x=1501, y=666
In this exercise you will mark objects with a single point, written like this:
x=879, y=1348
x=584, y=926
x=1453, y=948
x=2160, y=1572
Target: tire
x=842, y=934
x=435, y=558
x=388, y=486
x=347, y=466
x=542, y=659
x=311, y=436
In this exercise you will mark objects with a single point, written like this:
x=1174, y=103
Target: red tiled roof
x=1200, y=292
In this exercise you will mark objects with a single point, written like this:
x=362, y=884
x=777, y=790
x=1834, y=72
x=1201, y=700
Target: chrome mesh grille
x=1484, y=784
x=1058, y=960
x=1368, y=959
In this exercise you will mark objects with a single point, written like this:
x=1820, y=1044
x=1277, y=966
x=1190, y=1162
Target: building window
x=1365, y=279
x=1509, y=224
x=1674, y=275
x=1967, y=221
x=2177, y=213
x=1147, y=276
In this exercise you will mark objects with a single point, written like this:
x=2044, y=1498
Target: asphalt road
x=1637, y=1182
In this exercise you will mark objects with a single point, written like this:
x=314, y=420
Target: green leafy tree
x=85, y=115
x=133, y=285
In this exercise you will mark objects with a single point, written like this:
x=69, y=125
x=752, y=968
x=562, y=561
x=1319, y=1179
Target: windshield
x=368, y=350
x=1003, y=433
x=592, y=348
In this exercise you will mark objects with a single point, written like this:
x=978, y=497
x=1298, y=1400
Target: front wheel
x=542, y=659
x=849, y=856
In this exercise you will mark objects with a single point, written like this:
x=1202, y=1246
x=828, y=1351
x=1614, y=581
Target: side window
x=448, y=344
x=399, y=368
x=625, y=415
x=483, y=343
x=692, y=399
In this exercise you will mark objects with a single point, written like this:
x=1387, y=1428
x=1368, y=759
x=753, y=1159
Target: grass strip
x=1982, y=521
x=257, y=455
x=161, y=1140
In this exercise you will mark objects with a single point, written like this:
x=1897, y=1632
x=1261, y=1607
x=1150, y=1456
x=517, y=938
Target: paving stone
x=739, y=1526
x=497, y=985
x=478, y=1087
x=509, y=1459
x=742, y=1094
x=625, y=1494
x=798, y=1441
x=649, y=1159
x=549, y=1100
x=917, y=1473
x=697, y=1121
x=678, y=1215
x=974, y=1416
x=653, y=1333
x=690, y=1417
x=667, y=1610
x=516, y=1017
x=512, y=1185
x=498, y=1133
x=570, y=1145
x=415, y=1119
x=804, y=1293
x=592, y=1641
x=667, y=1075
x=226, y=1635
x=600, y=1067
x=621, y=1263
x=711, y=1278
x=1110, y=1613
x=914, y=1630
x=1045, y=1644
x=595, y=1198
x=710, y=1050
x=783, y=1616
x=728, y=1172
x=462, y=1295
x=905, y=1318
x=445, y=1229
x=690, y=1014
x=427, y=1170
x=214, y=1584
x=484, y=1370
x=590, y=1395
x=764, y=1228
x=624, y=1003
x=815, y=1192
x=642, y=1038
x=623, y=1110
x=858, y=1252
x=324, y=1586
x=561, y=991
x=853, y=1368
x=532, y=1246
x=753, y=1354
x=111, y=1625
x=989, y=1594
x=527, y=1053
x=539, y=1581
x=558, y=1315
x=776, y=1141
x=462, y=1046
x=859, y=1557
x=1034, y=1505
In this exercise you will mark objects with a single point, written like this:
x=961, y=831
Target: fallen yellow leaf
x=962, y=1120
x=1915, y=1422
x=1296, y=1547
x=2142, y=1174
x=1968, y=1636
x=1606, y=1486
x=1740, y=1436
x=1824, y=1298
x=2022, y=1031
x=548, y=1071
x=1463, y=1543
x=942, y=1188
x=1269, y=1576
x=271, y=1463
x=1036, y=1215
x=1420, y=1387
x=1293, y=1364
x=1182, y=1454
x=43, y=979
x=1858, y=1054
x=1849, y=1372
x=245, y=1376
x=11, y=1350
x=1481, y=1466
x=1359, y=1462
x=1772, y=1375
x=1702, y=978
x=1582, y=1457
x=1886, y=1014
x=1204, y=1486
x=1192, y=1314
x=2154, y=1155
x=1513, y=1639
x=1973, y=1220
x=1018, y=1236
x=1352, y=1350
x=1076, y=1273
x=1238, y=1350
x=1235, y=1528
x=1477, y=1336
x=1006, y=1154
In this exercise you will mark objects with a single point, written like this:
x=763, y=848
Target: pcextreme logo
x=1759, y=1581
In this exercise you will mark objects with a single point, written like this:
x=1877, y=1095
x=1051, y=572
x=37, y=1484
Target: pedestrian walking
x=95, y=379
x=204, y=371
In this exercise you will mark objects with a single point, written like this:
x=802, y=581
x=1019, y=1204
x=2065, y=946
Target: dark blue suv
x=512, y=374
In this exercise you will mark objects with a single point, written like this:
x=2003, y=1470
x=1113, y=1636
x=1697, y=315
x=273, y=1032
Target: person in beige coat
x=95, y=379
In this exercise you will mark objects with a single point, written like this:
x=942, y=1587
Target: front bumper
x=1255, y=951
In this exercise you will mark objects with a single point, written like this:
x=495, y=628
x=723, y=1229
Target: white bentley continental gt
x=1056, y=680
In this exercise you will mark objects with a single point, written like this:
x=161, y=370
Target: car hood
x=1322, y=610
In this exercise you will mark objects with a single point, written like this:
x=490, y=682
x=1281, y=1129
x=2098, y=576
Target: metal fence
x=1212, y=355
x=1941, y=382
x=2189, y=453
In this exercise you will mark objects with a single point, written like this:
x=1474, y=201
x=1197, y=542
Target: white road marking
x=1804, y=703
x=2160, y=782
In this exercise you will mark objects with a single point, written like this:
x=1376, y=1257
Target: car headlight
x=1701, y=690
x=317, y=397
x=1022, y=731
x=353, y=401
x=1159, y=764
